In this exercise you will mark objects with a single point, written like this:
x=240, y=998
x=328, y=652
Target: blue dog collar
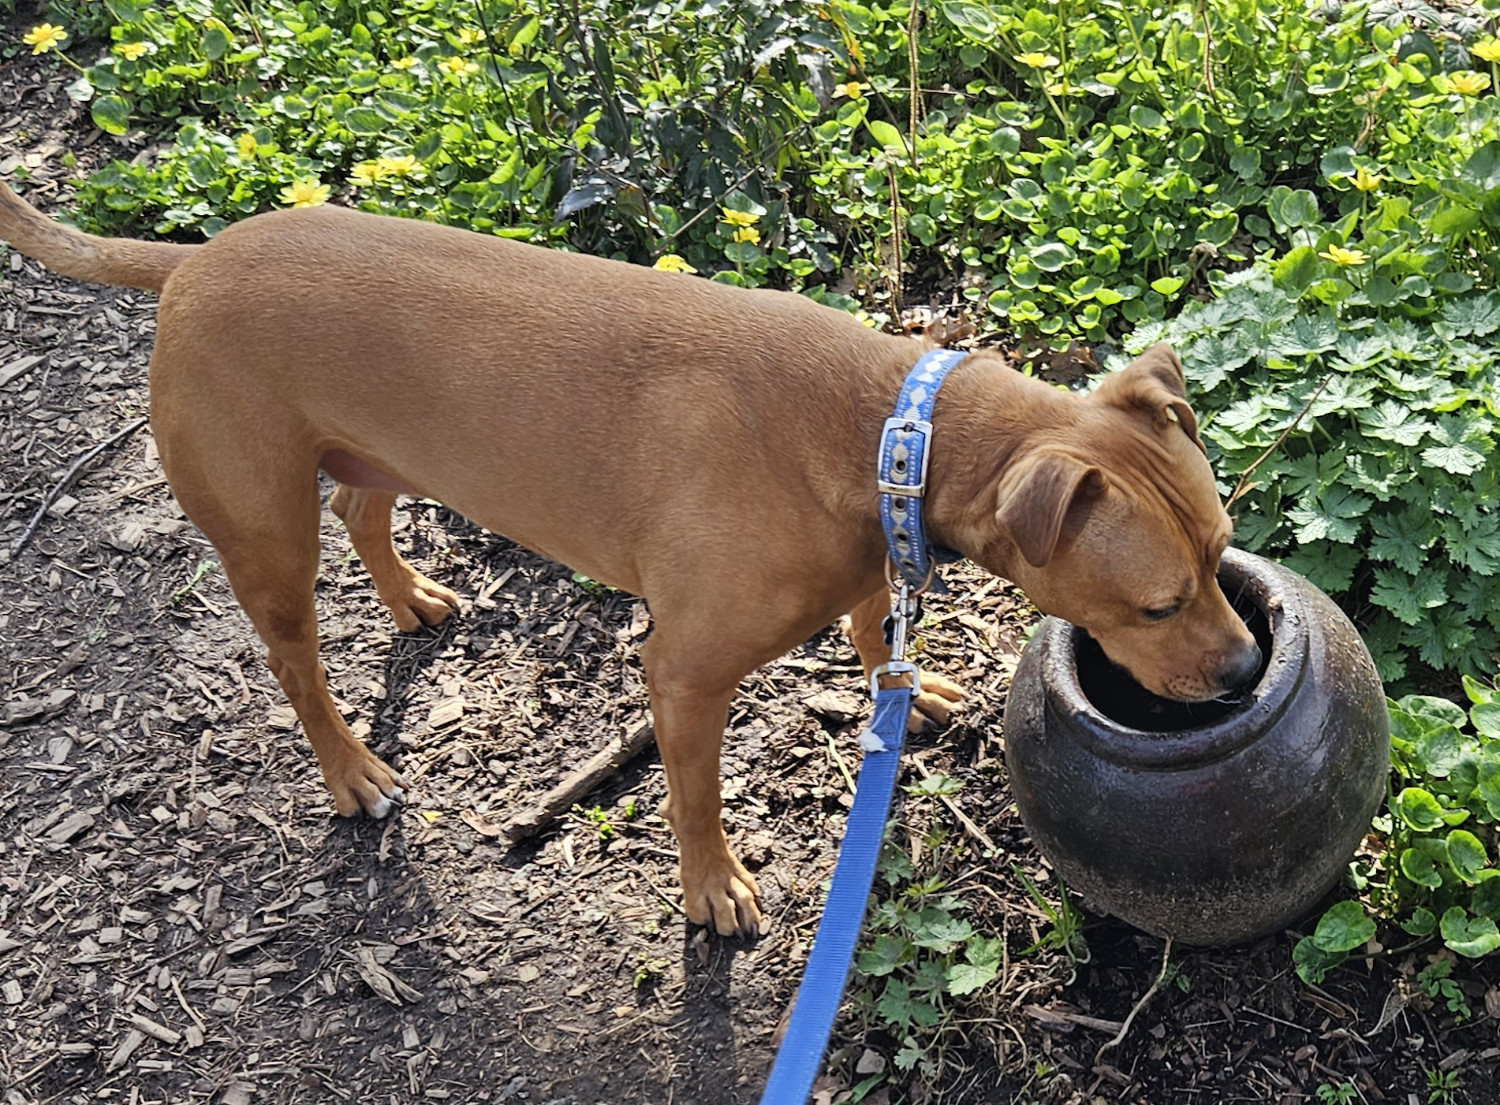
x=905, y=451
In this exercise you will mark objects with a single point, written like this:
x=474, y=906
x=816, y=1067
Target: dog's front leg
x=867, y=630
x=690, y=706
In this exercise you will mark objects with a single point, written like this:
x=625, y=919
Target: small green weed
x=1441, y=1085
x=1436, y=984
x=597, y=817
x=1337, y=1093
x=180, y=595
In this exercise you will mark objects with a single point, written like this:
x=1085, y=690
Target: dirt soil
x=182, y=918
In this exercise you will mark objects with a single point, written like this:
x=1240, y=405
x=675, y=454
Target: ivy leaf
x=1312, y=962
x=1343, y=928
x=1473, y=937
x=1333, y=515
x=1421, y=922
x=1467, y=855
x=1486, y=899
x=1418, y=867
x=1418, y=809
x=1408, y=595
x=1488, y=790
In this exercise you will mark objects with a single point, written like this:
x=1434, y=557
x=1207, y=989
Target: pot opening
x=1110, y=689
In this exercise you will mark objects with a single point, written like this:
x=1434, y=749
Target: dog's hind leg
x=262, y=518
x=867, y=630
x=411, y=597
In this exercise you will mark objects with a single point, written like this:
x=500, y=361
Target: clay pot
x=1209, y=823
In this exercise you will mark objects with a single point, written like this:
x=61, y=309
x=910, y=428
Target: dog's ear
x=1153, y=382
x=1044, y=497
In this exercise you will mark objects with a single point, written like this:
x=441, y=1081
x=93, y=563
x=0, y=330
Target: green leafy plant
x=1367, y=444
x=1337, y=1093
x=921, y=954
x=1437, y=985
x=1437, y=874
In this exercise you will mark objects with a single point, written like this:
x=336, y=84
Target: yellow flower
x=44, y=37
x=366, y=173
x=739, y=218
x=404, y=63
x=1487, y=49
x=1365, y=180
x=469, y=35
x=404, y=165
x=458, y=66
x=306, y=192
x=1036, y=60
x=247, y=145
x=1468, y=84
x=132, y=51
x=1341, y=256
x=747, y=234
x=670, y=262
x=853, y=89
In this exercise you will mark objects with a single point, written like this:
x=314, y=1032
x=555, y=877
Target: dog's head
x=1113, y=522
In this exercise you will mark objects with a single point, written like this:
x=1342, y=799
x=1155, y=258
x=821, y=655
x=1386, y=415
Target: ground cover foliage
x=1303, y=198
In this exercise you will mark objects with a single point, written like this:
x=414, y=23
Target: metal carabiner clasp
x=905, y=610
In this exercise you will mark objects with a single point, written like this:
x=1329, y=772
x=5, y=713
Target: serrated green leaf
x=965, y=978
x=1405, y=538
x=1392, y=421
x=1468, y=316
x=1335, y=515
x=1408, y=596
x=884, y=955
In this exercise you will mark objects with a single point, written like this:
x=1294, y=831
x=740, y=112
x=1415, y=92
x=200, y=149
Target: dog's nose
x=1241, y=669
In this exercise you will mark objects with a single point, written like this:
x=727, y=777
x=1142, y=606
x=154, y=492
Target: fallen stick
x=578, y=784
x=68, y=477
x=1161, y=977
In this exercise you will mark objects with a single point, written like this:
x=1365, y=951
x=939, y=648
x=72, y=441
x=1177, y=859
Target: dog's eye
x=1161, y=614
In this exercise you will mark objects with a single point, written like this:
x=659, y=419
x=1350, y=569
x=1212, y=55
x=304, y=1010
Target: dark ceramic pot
x=1208, y=823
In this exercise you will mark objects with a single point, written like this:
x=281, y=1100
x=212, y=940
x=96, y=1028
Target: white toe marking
x=382, y=807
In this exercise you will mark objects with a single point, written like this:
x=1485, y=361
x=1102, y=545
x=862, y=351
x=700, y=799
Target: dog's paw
x=936, y=701
x=724, y=897
x=365, y=783
x=419, y=601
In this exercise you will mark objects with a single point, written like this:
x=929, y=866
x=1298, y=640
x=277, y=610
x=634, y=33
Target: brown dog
x=708, y=448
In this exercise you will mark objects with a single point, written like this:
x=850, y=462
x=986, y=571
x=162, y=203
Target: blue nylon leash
x=905, y=450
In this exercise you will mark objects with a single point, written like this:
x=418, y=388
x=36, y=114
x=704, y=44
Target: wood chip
x=71, y=827
x=155, y=1031
x=446, y=712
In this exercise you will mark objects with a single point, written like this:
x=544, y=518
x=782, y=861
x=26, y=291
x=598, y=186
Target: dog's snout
x=1241, y=668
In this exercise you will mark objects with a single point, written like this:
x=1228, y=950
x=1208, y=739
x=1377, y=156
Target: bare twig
x=578, y=784
x=1244, y=485
x=1166, y=953
x=68, y=477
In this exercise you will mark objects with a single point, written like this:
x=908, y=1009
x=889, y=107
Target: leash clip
x=905, y=609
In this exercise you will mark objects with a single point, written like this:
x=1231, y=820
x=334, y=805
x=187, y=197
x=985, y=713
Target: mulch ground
x=182, y=918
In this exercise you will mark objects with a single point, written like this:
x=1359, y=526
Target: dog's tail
x=82, y=256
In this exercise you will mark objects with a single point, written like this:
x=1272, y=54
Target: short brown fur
x=708, y=448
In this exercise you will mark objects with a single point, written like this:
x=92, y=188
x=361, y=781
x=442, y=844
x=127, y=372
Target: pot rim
x=1279, y=594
